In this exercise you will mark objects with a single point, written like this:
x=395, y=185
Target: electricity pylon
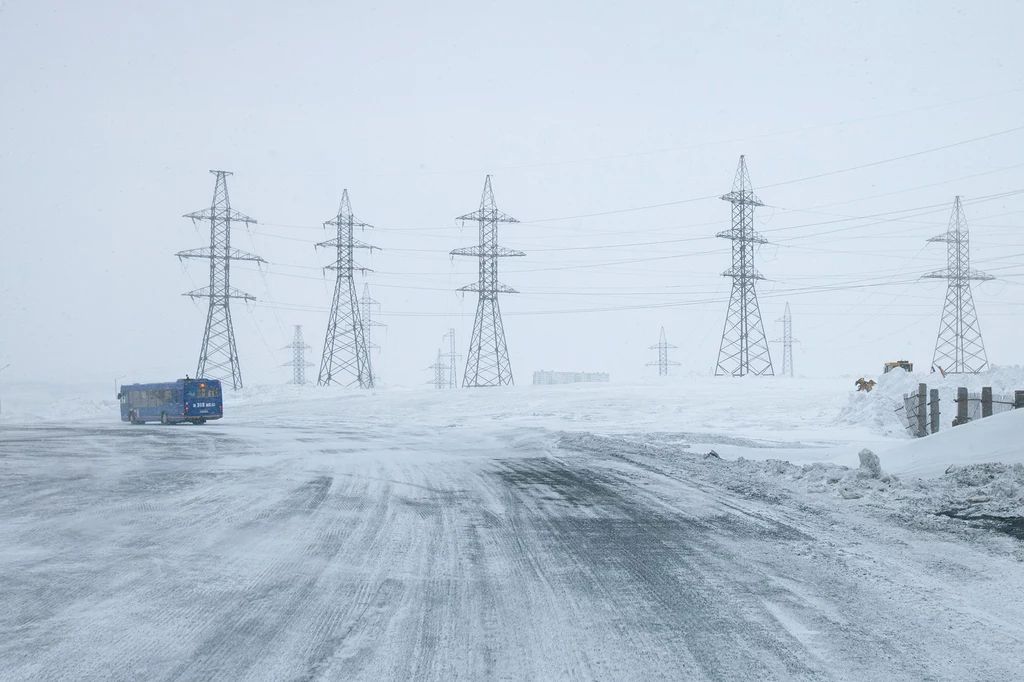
x=488, y=363
x=298, y=363
x=744, y=348
x=663, y=363
x=369, y=323
x=440, y=371
x=218, y=357
x=787, y=341
x=346, y=356
x=451, y=357
x=959, y=348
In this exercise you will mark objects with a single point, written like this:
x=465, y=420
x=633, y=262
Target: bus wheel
x=200, y=421
x=163, y=419
x=132, y=417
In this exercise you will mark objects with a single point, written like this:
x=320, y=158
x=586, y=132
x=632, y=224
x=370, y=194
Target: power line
x=792, y=181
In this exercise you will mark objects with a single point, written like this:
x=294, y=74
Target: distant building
x=545, y=378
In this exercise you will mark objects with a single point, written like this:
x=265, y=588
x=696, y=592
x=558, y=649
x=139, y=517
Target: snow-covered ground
x=695, y=528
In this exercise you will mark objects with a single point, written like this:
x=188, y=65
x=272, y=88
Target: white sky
x=113, y=112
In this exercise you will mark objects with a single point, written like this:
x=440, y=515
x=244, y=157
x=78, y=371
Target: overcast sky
x=586, y=114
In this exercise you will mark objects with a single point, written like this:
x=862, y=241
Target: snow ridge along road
x=454, y=542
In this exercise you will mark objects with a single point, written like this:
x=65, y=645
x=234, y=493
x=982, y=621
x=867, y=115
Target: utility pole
x=346, y=356
x=787, y=342
x=959, y=348
x=662, y=363
x=488, y=363
x=744, y=348
x=440, y=371
x=298, y=363
x=369, y=323
x=218, y=358
x=451, y=358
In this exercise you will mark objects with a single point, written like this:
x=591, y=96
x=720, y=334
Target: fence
x=976, y=405
x=920, y=413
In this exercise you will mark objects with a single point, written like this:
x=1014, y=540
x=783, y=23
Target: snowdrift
x=877, y=409
x=995, y=439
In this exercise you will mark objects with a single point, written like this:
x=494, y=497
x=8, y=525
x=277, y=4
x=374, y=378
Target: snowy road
x=291, y=550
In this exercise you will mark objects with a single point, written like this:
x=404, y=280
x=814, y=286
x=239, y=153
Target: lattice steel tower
x=663, y=363
x=369, y=323
x=787, y=342
x=346, y=357
x=298, y=363
x=959, y=348
x=440, y=371
x=744, y=348
x=451, y=357
x=218, y=358
x=487, y=363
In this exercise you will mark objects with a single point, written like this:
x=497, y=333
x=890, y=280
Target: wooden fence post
x=934, y=405
x=986, y=401
x=922, y=410
x=961, y=407
x=1018, y=400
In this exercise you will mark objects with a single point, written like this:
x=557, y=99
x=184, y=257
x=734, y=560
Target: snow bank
x=877, y=409
x=999, y=438
x=42, y=401
x=989, y=490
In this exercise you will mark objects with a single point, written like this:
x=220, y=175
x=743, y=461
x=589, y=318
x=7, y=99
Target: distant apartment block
x=544, y=378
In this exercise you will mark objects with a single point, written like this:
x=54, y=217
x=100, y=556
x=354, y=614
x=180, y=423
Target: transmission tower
x=298, y=363
x=663, y=363
x=346, y=357
x=451, y=357
x=959, y=348
x=369, y=323
x=787, y=342
x=440, y=371
x=218, y=358
x=488, y=364
x=744, y=348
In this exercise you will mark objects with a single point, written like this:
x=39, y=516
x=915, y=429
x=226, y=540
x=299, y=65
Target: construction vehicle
x=899, y=364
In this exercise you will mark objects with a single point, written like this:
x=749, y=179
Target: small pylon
x=787, y=341
x=367, y=304
x=298, y=363
x=451, y=357
x=440, y=371
x=662, y=363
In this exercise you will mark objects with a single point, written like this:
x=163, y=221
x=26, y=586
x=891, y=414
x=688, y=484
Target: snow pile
x=42, y=401
x=993, y=439
x=877, y=409
x=991, y=492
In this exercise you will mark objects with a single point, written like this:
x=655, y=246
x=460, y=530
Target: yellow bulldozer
x=899, y=364
x=867, y=384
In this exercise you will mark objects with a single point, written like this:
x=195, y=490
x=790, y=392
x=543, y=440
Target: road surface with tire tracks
x=307, y=552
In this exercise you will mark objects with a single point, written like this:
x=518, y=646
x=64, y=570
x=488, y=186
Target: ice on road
x=314, y=545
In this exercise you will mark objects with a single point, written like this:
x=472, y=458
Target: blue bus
x=184, y=400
